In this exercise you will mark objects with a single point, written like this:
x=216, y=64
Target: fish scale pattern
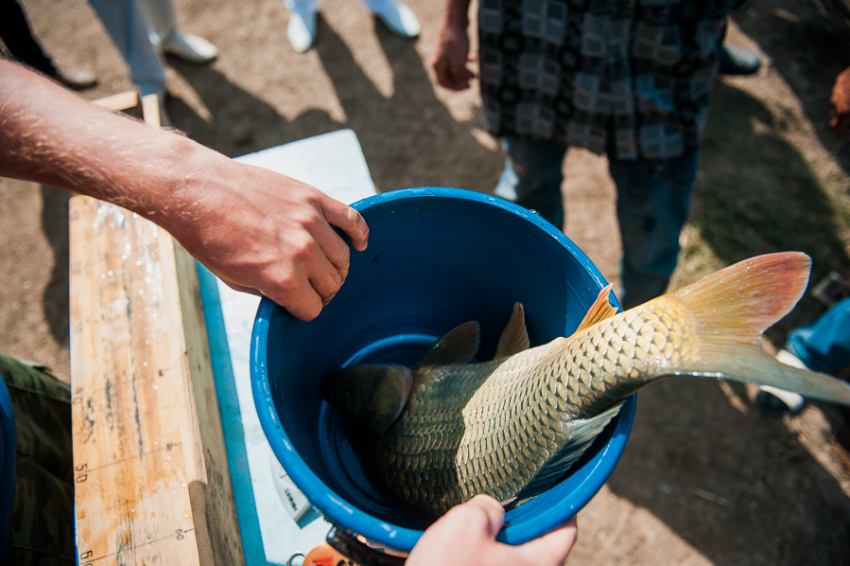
x=616, y=356
x=416, y=456
x=490, y=427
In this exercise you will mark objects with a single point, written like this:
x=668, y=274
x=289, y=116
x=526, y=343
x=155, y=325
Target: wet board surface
x=152, y=482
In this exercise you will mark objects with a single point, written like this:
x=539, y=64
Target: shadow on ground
x=756, y=194
x=241, y=123
x=809, y=44
x=54, y=224
x=399, y=156
x=429, y=143
x=755, y=497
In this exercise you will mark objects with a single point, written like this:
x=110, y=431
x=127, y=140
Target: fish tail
x=731, y=310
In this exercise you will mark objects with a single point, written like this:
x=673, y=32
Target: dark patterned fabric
x=43, y=508
x=630, y=77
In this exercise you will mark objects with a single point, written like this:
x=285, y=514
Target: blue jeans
x=129, y=29
x=653, y=199
x=824, y=344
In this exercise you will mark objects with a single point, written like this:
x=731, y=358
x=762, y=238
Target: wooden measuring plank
x=146, y=107
x=121, y=102
x=150, y=110
x=152, y=483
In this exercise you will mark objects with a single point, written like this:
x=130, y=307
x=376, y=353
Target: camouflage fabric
x=630, y=77
x=43, y=509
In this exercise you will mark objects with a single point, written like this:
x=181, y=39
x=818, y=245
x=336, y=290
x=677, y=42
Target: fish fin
x=369, y=396
x=456, y=347
x=579, y=435
x=600, y=310
x=389, y=397
x=731, y=309
x=514, y=338
x=751, y=368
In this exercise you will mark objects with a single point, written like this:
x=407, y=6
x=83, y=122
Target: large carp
x=445, y=430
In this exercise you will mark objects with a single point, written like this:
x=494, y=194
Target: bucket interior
x=436, y=258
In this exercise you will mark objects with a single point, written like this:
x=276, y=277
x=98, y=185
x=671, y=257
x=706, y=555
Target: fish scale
x=511, y=426
x=574, y=371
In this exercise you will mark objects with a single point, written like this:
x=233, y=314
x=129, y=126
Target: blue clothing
x=126, y=24
x=532, y=177
x=653, y=199
x=824, y=344
x=631, y=79
x=7, y=471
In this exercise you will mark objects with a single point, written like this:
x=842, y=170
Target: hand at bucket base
x=257, y=230
x=467, y=535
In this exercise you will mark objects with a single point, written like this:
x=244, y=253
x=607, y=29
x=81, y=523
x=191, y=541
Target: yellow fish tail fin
x=731, y=310
x=746, y=298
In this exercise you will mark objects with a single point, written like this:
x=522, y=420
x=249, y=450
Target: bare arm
x=257, y=230
x=452, y=50
x=467, y=535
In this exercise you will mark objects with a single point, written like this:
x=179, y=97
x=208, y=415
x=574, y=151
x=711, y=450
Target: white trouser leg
x=162, y=17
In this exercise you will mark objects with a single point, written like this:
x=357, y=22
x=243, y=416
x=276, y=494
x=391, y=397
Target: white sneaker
x=301, y=29
x=190, y=48
x=790, y=359
x=400, y=19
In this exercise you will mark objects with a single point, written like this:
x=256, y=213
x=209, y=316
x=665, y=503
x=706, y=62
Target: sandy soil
x=705, y=479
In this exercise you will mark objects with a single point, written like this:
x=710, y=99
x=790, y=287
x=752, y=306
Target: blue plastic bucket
x=437, y=258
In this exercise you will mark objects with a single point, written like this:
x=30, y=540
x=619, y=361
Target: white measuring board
x=334, y=164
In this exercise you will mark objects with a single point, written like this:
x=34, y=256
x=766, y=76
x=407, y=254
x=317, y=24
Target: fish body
x=512, y=426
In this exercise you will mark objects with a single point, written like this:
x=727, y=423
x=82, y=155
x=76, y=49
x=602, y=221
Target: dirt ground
x=705, y=478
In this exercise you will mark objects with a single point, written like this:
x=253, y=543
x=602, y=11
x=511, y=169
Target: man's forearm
x=50, y=135
x=259, y=231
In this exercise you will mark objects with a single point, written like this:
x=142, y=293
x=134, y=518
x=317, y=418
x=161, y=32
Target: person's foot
x=301, y=29
x=774, y=401
x=399, y=19
x=737, y=61
x=77, y=79
x=189, y=48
